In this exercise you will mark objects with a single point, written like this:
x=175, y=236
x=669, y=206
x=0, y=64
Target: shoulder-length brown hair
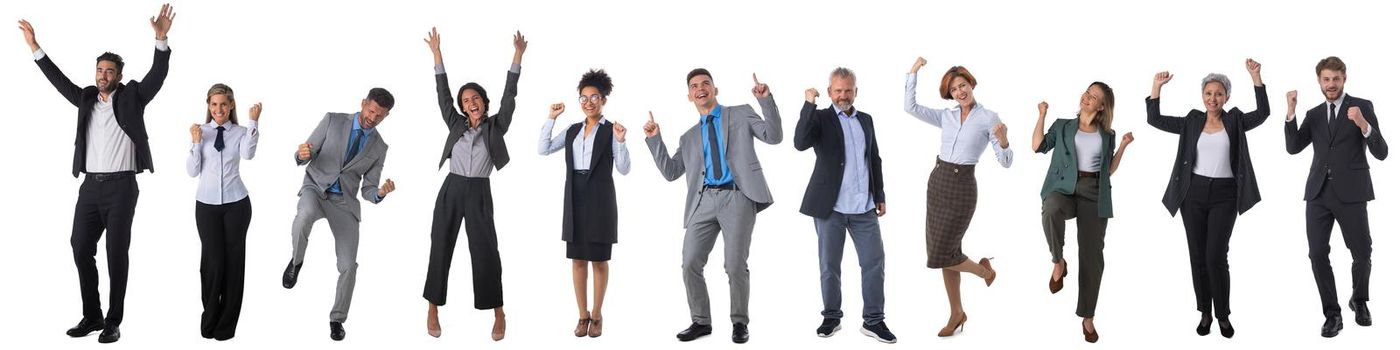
x=221, y=89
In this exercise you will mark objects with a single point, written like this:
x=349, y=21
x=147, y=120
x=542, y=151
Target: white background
x=302, y=59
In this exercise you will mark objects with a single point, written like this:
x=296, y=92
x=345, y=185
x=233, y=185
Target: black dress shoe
x=1332, y=326
x=829, y=327
x=1363, y=313
x=84, y=328
x=110, y=334
x=741, y=333
x=289, y=277
x=1203, y=328
x=1227, y=329
x=695, y=331
x=337, y=331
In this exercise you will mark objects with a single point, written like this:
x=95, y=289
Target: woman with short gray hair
x=1212, y=182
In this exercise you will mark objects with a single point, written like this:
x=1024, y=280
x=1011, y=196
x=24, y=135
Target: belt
x=1088, y=174
x=728, y=187
x=103, y=177
x=583, y=172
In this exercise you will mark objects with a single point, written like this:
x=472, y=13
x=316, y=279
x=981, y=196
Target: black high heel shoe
x=1204, y=327
x=1226, y=328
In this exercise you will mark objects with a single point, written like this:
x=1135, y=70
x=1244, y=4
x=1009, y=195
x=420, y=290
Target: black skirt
x=580, y=246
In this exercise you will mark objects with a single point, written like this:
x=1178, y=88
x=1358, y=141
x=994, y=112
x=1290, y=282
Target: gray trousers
x=729, y=212
x=1083, y=206
x=346, y=230
x=870, y=250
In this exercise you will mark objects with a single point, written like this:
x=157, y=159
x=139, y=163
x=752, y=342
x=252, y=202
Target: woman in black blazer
x=1212, y=182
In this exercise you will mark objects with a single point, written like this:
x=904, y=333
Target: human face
x=961, y=91
x=371, y=114
x=843, y=92
x=219, y=108
x=591, y=102
x=702, y=92
x=107, y=76
x=473, y=105
x=1091, y=102
x=1214, y=97
x=1331, y=83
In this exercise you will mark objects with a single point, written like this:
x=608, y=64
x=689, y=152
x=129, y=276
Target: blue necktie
x=219, y=139
x=716, y=168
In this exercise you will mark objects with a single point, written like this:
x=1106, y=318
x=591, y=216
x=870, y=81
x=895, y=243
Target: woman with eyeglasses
x=591, y=146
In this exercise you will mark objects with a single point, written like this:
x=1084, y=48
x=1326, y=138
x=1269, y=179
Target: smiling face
x=591, y=101
x=371, y=114
x=473, y=105
x=702, y=92
x=220, y=108
x=961, y=91
x=1331, y=82
x=1214, y=97
x=842, y=91
x=1091, y=102
x=108, y=74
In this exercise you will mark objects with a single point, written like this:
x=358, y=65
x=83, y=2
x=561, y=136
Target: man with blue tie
x=344, y=151
x=725, y=191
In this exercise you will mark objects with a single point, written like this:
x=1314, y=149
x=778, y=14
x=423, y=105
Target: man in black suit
x=846, y=194
x=1339, y=185
x=110, y=148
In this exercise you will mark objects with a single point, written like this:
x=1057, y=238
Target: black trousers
x=1209, y=213
x=105, y=202
x=223, y=236
x=1356, y=232
x=463, y=199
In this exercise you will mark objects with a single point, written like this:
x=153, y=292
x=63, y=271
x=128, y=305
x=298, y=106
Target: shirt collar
x=355, y=124
x=1338, y=102
x=715, y=112
x=841, y=113
x=227, y=124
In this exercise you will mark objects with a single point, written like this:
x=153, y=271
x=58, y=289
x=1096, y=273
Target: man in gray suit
x=343, y=151
x=725, y=190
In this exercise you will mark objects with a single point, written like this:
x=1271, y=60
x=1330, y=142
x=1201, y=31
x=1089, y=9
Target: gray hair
x=843, y=72
x=1218, y=78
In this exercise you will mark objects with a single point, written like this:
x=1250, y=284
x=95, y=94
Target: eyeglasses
x=595, y=98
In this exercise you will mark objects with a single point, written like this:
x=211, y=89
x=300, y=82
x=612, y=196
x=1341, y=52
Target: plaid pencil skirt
x=952, y=198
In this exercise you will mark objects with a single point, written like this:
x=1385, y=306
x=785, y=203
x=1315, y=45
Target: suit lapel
x=598, y=146
x=371, y=145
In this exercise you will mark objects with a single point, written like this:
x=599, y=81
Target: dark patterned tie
x=219, y=139
x=716, y=168
x=354, y=146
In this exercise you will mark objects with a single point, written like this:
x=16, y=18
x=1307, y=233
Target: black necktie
x=354, y=146
x=219, y=139
x=1331, y=113
x=715, y=166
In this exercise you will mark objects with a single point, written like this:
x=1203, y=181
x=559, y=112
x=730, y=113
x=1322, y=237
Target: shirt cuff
x=252, y=124
x=1367, y=134
x=515, y=68
x=39, y=54
x=194, y=147
x=549, y=124
x=439, y=69
x=162, y=45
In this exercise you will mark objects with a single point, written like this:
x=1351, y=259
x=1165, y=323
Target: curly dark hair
x=598, y=79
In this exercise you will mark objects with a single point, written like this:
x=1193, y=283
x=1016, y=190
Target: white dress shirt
x=219, y=180
x=963, y=141
x=583, y=147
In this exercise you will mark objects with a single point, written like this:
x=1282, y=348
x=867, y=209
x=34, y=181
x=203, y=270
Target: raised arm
x=671, y=167
x=807, y=133
x=1038, y=135
x=312, y=147
x=1155, y=118
x=504, y=115
x=65, y=87
x=548, y=142
x=446, y=104
x=1256, y=118
x=622, y=159
x=1118, y=156
x=1295, y=139
x=911, y=104
x=1365, y=118
x=1001, y=147
x=160, y=64
x=768, y=127
x=195, y=160
x=249, y=147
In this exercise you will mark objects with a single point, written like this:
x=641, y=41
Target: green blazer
x=1064, y=166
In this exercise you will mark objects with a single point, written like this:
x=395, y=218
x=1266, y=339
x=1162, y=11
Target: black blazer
x=494, y=126
x=129, y=105
x=819, y=129
x=597, y=216
x=1190, y=128
x=1338, y=150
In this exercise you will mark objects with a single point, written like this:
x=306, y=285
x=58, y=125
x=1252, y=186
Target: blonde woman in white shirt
x=222, y=209
x=969, y=129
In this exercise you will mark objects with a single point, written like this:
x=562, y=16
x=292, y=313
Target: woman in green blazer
x=1077, y=186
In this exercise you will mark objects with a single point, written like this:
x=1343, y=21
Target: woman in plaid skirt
x=968, y=130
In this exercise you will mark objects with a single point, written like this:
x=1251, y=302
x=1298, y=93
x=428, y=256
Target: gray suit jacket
x=331, y=137
x=741, y=126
